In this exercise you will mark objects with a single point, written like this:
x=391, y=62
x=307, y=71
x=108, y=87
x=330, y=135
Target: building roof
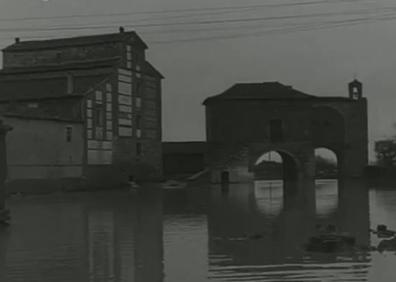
x=89, y=64
x=150, y=69
x=33, y=83
x=75, y=41
x=261, y=91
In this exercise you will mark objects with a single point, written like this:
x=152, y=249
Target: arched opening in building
x=326, y=164
x=276, y=165
x=272, y=171
x=326, y=182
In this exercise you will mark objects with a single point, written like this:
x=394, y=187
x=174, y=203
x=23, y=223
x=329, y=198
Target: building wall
x=128, y=143
x=248, y=121
x=55, y=56
x=65, y=109
x=121, y=110
x=39, y=149
x=183, y=157
x=339, y=125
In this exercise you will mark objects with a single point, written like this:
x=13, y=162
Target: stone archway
x=289, y=165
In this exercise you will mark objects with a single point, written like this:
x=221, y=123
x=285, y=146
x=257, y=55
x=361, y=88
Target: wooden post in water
x=4, y=213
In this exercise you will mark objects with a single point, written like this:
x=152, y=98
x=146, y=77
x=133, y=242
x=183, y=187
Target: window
x=276, y=130
x=139, y=150
x=138, y=102
x=99, y=116
x=138, y=122
x=138, y=88
x=129, y=56
x=70, y=83
x=108, y=87
x=138, y=126
x=33, y=105
x=69, y=132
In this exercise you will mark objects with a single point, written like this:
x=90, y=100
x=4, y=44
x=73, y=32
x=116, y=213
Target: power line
x=190, y=10
x=161, y=25
x=299, y=28
x=180, y=23
x=287, y=28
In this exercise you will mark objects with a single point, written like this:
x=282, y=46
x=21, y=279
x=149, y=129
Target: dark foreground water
x=248, y=233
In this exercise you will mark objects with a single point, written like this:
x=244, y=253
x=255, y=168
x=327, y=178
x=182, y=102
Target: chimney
x=121, y=29
x=17, y=40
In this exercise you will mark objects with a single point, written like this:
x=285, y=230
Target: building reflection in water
x=235, y=233
x=185, y=235
x=125, y=244
x=250, y=240
x=92, y=237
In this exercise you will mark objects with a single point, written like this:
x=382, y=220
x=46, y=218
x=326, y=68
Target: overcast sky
x=205, y=46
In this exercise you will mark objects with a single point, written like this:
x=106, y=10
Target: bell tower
x=355, y=90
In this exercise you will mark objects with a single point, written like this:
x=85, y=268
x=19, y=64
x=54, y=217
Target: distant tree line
x=385, y=151
x=325, y=167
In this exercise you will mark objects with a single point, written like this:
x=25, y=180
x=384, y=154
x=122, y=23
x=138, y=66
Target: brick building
x=249, y=120
x=85, y=107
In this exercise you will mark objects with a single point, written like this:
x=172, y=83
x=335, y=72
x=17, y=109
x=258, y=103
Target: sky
x=203, y=47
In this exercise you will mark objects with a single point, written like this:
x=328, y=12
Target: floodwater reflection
x=246, y=232
x=259, y=244
x=85, y=237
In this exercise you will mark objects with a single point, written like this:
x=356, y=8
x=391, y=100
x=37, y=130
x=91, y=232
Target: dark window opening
x=138, y=122
x=99, y=116
x=138, y=88
x=70, y=84
x=139, y=149
x=225, y=177
x=69, y=132
x=276, y=131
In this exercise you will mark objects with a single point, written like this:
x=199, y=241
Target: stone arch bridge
x=249, y=120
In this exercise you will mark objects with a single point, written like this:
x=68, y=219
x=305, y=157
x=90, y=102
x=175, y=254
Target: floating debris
x=4, y=216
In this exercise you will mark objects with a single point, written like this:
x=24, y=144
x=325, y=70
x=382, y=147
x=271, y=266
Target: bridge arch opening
x=326, y=163
x=326, y=181
x=276, y=165
x=275, y=172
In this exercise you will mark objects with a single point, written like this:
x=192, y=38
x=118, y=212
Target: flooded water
x=246, y=232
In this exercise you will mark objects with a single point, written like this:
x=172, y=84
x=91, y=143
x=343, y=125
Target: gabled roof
x=75, y=41
x=33, y=83
x=260, y=91
x=150, y=69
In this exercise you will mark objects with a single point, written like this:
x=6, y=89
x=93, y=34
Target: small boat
x=4, y=216
x=173, y=184
x=383, y=231
x=329, y=240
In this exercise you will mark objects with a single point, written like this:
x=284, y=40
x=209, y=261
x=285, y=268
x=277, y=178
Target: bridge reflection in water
x=258, y=233
x=243, y=233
